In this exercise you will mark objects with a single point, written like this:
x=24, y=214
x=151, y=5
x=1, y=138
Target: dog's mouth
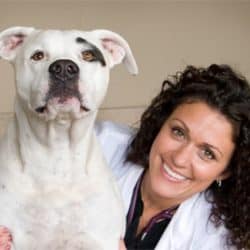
x=63, y=100
x=44, y=109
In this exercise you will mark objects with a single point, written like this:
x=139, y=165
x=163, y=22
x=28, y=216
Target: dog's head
x=63, y=73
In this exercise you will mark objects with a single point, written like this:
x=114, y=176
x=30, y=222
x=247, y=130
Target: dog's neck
x=62, y=150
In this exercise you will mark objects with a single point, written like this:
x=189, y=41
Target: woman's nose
x=182, y=156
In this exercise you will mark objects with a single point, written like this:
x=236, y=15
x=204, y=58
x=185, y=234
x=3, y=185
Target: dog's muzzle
x=64, y=77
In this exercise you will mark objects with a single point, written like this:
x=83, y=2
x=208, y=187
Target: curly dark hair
x=228, y=92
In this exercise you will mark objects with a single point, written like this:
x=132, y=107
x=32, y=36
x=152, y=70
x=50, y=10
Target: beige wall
x=165, y=36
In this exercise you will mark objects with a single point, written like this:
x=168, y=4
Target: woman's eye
x=208, y=154
x=178, y=132
x=37, y=56
x=88, y=56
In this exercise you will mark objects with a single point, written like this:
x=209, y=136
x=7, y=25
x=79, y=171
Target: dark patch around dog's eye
x=37, y=56
x=97, y=54
x=80, y=40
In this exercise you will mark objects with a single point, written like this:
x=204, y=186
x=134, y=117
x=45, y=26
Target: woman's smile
x=171, y=175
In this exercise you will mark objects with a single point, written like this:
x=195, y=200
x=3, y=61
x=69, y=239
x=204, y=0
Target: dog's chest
x=60, y=218
x=79, y=210
x=55, y=209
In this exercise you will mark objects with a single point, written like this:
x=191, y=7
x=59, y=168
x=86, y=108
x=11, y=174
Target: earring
x=219, y=183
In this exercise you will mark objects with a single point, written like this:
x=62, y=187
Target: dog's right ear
x=11, y=40
x=118, y=49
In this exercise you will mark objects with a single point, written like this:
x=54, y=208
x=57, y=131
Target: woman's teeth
x=173, y=174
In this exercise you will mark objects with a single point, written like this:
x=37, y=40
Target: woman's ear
x=224, y=175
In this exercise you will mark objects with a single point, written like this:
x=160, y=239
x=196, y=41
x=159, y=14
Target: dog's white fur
x=56, y=191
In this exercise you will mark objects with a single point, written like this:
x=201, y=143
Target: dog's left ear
x=118, y=50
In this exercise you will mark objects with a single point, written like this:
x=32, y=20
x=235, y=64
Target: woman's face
x=191, y=151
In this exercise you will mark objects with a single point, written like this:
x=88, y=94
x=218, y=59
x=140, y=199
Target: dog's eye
x=88, y=55
x=37, y=56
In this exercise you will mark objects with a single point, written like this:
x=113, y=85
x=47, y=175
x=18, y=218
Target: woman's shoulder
x=114, y=139
x=193, y=223
x=119, y=132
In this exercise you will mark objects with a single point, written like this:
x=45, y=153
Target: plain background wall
x=165, y=36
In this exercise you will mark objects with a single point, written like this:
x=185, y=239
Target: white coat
x=190, y=228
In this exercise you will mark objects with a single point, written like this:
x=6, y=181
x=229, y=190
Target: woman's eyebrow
x=183, y=124
x=213, y=147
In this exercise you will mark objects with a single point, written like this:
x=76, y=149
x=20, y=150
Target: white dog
x=56, y=192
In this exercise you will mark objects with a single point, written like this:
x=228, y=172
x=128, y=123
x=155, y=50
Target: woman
x=186, y=175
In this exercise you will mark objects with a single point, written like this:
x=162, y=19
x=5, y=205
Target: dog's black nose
x=64, y=69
